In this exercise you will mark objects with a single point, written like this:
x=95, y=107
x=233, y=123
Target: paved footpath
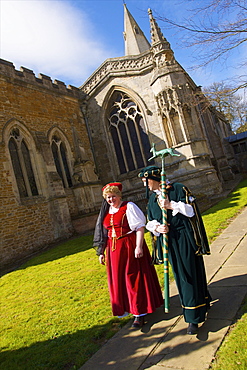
x=163, y=344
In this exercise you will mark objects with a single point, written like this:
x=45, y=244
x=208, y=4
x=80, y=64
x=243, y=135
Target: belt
x=114, y=239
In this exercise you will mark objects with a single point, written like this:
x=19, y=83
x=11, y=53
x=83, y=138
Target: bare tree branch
x=216, y=29
x=223, y=97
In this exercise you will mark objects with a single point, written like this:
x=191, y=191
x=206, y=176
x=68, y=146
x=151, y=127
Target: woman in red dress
x=132, y=280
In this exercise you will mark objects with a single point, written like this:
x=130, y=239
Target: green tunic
x=187, y=263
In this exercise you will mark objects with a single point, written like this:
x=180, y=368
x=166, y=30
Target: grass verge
x=232, y=355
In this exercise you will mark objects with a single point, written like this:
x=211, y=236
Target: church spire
x=135, y=40
x=156, y=34
x=162, y=52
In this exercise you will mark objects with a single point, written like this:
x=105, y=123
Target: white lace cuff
x=151, y=226
x=181, y=207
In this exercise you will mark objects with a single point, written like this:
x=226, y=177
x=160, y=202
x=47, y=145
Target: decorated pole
x=165, y=239
x=163, y=153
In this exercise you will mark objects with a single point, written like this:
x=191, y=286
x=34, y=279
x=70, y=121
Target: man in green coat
x=187, y=242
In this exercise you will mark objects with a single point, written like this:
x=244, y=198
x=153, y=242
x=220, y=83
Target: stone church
x=59, y=145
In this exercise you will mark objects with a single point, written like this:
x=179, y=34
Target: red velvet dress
x=132, y=282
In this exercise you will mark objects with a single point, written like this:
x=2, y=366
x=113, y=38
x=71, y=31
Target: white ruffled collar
x=113, y=210
x=157, y=191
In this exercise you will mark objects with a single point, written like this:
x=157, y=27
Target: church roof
x=237, y=137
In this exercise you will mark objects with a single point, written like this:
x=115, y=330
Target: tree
x=216, y=28
x=233, y=106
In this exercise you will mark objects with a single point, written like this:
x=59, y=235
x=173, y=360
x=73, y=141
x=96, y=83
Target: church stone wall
x=39, y=108
x=222, y=157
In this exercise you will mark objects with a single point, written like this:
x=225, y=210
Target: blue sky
x=68, y=40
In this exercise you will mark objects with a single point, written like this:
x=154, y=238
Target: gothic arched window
x=128, y=133
x=22, y=165
x=60, y=158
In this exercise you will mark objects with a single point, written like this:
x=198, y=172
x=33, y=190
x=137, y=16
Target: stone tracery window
x=128, y=133
x=61, y=161
x=22, y=165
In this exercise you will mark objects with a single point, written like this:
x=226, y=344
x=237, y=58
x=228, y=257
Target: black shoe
x=192, y=329
x=138, y=322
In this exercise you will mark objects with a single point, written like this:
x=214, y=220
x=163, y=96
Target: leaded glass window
x=22, y=165
x=61, y=162
x=128, y=133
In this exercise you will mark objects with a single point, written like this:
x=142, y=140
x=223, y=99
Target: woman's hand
x=138, y=252
x=162, y=229
x=102, y=259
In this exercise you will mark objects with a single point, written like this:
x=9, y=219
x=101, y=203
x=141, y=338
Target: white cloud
x=50, y=37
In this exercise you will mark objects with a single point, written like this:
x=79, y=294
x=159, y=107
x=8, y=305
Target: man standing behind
x=187, y=242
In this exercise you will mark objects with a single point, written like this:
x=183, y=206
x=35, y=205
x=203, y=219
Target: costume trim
x=113, y=234
x=193, y=308
x=197, y=225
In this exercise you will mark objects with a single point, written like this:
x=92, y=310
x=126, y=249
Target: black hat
x=151, y=172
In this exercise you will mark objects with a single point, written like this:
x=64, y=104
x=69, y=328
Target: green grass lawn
x=55, y=310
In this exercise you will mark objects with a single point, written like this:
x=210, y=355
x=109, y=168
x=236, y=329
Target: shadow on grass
x=68, y=351
x=63, y=249
x=230, y=201
x=73, y=246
